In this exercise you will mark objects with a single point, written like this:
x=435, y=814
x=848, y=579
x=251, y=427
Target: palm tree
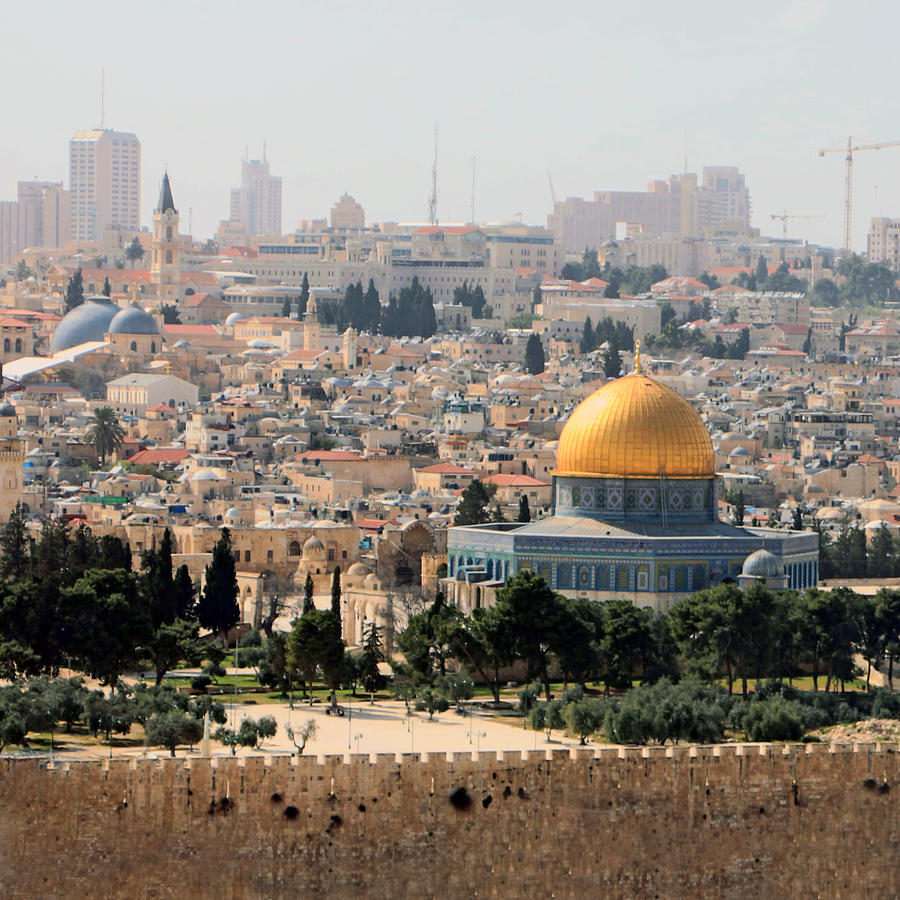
x=105, y=433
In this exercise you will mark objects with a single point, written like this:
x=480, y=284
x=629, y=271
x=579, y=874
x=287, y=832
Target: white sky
x=346, y=95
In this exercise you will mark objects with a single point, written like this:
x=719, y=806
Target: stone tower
x=12, y=455
x=349, y=349
x=311, y=327
x=165, y=266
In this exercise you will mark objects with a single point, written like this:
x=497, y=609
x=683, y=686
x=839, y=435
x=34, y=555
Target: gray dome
x=133, y=320
x=88, y=322
x=234, y=317
x=763, y=564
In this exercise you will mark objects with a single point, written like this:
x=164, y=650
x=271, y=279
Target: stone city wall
x=725, y=822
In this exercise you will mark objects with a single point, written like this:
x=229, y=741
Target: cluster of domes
x=635, y=427
x=96, y=317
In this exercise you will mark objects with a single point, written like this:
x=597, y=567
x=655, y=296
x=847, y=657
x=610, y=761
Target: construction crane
x=850, y=149
x=784, y=220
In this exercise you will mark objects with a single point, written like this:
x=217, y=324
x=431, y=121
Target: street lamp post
x=356, y=737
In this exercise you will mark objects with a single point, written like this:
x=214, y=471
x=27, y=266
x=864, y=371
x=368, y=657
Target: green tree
x=286, y=307
x=709, y=280
x=583, y=718
x=104, y=433
x=14, y=546
x=430, y=701
x=170, y=314
x=612, y=359
x=159, y=585
x=588, y=341
x=183, y=593
x=336, y=593
x=304, y=296
x=534, y=618
x=474, y=502
x=134, y=252
x=826, y=292
x=102, y=623
x=74, y=291
x=169, y=729
x=372, y=655
x=23, y=271
x=524, y=512
x=762, y=270
x=534, y=355
x=314, y=643
x=218, y=608
x=308, y=590
x=738, y=513
x=173, y=642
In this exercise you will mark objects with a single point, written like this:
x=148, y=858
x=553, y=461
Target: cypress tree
x=14, y=546
x=304, y=296
x=336, y=593
x=524, y=511
x=308, y=588
x=534, y=356
x=218, y=608
x=74, y=291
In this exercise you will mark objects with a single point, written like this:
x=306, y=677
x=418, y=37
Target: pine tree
x=218, y=608
x=286, y=308
x=336, y=592
x=472, y=508
x=534, y=355
x=308, y=588
x=14, y=546
x=373, y=654
x=74, y=291
x=524, y=511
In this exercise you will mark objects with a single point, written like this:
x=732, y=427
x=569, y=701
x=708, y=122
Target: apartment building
x=105, y=182
x=883, y=243
x=256, y=204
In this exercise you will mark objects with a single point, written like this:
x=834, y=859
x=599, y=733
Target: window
x=6, y=346
x=294, y=548
x=18, y=345
x=246, y=556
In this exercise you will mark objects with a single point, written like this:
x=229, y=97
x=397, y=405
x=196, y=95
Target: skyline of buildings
x=256, y=204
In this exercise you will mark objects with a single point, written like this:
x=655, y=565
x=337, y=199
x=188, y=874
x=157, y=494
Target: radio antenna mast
x=432, y=200
x=474, y=160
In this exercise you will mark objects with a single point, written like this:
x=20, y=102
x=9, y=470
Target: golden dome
x=635, y=427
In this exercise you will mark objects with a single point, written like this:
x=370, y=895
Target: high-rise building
x=679, y=206
x=9, y=232
x=43, y=214
x=257, y=202
x=884, y=242
x=105, y=182
x=347, y=214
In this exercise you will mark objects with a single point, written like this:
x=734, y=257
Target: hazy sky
x=346, y=95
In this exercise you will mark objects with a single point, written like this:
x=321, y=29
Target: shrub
x=775, y=719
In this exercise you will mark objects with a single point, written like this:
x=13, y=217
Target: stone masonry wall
x=725, y=822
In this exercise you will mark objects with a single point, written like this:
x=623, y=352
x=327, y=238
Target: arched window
x=584, y=578
x=168, y=256
x=564, y=576
x=6, y=345
x=699, y=578
x=622, y=578
x=294, y=548
x=602, y=578
x=153, y=346
x=134, y=346
x=18, y=345
x=168, y=232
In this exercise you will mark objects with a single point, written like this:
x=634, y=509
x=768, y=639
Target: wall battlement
x=726, y=821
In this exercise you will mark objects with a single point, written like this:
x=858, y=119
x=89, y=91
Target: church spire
x=166, y=203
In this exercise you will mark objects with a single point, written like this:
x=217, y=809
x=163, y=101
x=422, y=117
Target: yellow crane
x=850, y=149
x=786, y=215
